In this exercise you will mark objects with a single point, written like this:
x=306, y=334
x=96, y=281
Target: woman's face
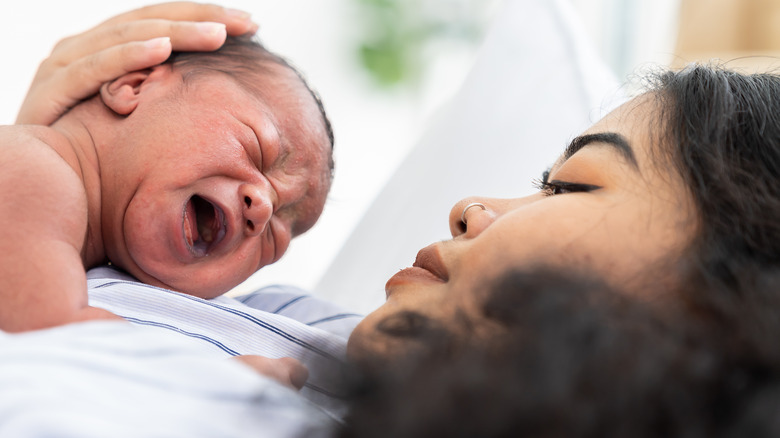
x=607, y=207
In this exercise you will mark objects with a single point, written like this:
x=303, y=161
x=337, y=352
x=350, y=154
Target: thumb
x=286, y=370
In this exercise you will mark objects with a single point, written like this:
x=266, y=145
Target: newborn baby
x=191, y=175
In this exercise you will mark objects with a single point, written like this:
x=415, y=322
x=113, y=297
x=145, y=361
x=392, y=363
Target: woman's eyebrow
x=610, y=138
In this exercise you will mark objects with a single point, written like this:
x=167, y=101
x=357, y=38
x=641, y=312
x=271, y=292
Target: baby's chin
x=187, y=284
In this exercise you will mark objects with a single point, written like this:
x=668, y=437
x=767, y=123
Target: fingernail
x=237, y=13
x=156, y=43
x=210, y=29
x=253, y=28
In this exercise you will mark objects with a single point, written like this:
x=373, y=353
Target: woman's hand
x=80, y=64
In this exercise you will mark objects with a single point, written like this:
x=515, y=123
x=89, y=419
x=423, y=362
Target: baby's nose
x=257, y=208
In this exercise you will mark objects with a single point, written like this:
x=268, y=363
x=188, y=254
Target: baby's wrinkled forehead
x=283, y=99
x=298, y=111
x=260, y=72
x=278, y=80
x=305, y=142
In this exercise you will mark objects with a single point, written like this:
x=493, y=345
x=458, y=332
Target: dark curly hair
x=722, y=132
x=580, y=360
x=576, y=359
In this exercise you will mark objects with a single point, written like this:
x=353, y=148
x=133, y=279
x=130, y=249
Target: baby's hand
x=80, y=64
x=287, y=371
x=90, y=313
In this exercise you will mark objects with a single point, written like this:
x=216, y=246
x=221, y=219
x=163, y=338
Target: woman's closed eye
x=557, y=187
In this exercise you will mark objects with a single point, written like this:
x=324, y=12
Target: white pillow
x=536, y=83
x=113, y=379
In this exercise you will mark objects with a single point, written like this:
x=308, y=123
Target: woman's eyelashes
x=557, y=187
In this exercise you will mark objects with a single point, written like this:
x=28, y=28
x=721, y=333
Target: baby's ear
x=123, y=93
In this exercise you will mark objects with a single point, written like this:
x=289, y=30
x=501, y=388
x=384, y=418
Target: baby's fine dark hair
x=243, y=57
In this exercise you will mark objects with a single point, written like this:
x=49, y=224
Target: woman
x=675, y=190
x=673, y=206
x=678, y=196
x=672, y=195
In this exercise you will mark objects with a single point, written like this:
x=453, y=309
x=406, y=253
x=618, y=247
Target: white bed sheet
x=115, y=379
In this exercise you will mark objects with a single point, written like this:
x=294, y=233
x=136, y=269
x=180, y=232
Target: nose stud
x=473, y=204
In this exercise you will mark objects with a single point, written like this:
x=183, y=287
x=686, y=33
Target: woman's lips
x=429, y=259
x=410, y=275
x=428, y=268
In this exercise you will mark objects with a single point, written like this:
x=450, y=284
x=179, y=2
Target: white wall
x=631, y=34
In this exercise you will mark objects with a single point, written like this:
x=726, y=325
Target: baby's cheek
x=204, y=281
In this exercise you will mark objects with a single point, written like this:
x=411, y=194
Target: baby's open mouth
x=204, y=225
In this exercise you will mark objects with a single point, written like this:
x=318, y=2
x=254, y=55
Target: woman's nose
x=471, y=216
x=258, y=207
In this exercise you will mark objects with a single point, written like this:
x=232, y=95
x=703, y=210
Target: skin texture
x=76, y=69
x=263, y=162
x=621, y=220
x=115, y=178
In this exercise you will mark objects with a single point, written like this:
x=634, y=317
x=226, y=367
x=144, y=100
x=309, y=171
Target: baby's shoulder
x=29, y=146
x=37, y=156
x=29, y=138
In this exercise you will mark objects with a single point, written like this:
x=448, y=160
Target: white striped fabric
x=277, y=322
x=109, y=379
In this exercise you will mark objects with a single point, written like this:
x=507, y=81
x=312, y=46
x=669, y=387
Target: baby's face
x=207, y=183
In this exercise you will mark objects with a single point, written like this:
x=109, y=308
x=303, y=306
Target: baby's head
x=253, y=66
x=209, y=165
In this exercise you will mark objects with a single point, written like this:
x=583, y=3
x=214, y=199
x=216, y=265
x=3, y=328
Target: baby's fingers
x=286, y=370
x=69, y=84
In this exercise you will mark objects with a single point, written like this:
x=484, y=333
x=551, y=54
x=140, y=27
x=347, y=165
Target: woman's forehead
x=631, y=128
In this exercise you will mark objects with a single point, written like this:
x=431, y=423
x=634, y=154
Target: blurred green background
x=395, y=36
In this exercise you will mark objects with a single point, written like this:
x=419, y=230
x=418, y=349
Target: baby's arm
x=43, y=215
